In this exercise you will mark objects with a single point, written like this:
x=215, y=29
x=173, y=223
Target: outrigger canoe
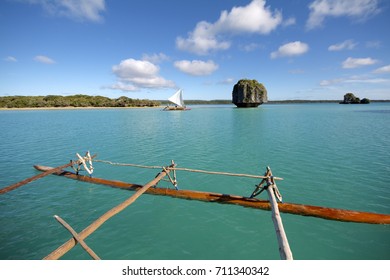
x=291, y=208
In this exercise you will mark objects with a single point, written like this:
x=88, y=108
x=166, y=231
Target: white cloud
x=130, y=68
x=10, y=59
x=325, y=83
x=196, y=67
x=227, y=81
x=75, y=9
x=354, y=79
x=253, y=18
x=44, y=59
x=367, y=81
x=384, y=69
x=320, y=9
x=123, y=87
x=289, y=21
x=134, y=74
x=251, y=47
x=346, y=45
x=350, y=62
x=201, y=40
x=155, y=58
x=291, y=49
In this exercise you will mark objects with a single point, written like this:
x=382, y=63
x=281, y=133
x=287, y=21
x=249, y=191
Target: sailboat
x=176, y=99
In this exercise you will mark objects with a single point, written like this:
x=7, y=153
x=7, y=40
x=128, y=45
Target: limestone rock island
x=249, y=93
x=350, y=98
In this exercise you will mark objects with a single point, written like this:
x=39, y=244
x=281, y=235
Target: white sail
x=177, y=98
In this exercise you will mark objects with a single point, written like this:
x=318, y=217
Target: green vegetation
x=251, y=83
x=81, y=100
x=78, y=100
x=250, y=89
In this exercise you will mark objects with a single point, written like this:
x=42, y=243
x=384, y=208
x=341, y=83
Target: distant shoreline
x=293, y=101
x=74, y=108
x=87, y=102
x=203, y=102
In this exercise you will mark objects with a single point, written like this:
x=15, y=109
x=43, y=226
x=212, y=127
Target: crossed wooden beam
x=79, y=238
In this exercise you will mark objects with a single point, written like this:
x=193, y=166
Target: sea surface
x=328, y=155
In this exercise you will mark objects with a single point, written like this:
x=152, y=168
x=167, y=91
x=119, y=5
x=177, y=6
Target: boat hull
x=174, y=108
x=291, y=208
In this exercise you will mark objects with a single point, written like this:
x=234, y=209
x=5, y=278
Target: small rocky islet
x=249, y=93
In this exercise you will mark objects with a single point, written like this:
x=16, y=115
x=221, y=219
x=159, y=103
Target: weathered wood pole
x=77, y=237
x=36, y=177
x=284, y=247
x=335, y=214
x=60, y=251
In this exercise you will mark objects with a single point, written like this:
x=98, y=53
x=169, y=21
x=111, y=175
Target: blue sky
x=317, y=49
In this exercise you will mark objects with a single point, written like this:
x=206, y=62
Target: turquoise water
x=328, y=154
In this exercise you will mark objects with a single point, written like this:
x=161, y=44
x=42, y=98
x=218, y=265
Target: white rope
x=224, y=173
x=189, y=170
x=129, y=164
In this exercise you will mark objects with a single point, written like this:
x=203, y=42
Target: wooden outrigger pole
x=39, y=176
x=77, y=237
x=33, y=178
x=291, y=208
x=60, y=251
x=284, y=246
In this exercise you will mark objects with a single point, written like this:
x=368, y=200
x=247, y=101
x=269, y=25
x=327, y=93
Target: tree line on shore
x=79, y=100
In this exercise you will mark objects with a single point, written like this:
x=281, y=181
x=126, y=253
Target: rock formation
x=249, y=93
x=350, y=98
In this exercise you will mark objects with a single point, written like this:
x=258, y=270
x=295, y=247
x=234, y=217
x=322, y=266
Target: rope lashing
x=173, y=181
x=46, y=173
x=269, y=181
x=260, y=188
x=83, y=161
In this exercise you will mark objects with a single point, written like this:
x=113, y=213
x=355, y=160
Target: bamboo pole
x=77, y=237
x=60, y=251
x=36, y=177
x=284, y=247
